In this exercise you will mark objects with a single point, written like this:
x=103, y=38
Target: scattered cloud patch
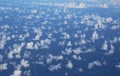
x=3, y=66
x=93, y=64
x=69, y=65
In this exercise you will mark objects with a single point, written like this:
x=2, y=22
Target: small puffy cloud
x=114, y=27
x=36, y=47
x=44, y=43
x=10, y=55
x=73, y=5
x=16, y=50
x=24, y=63
x=89, y=50
x=94, y=63
x=66, y=36
x=65, y=22
x=17, y=72
x=83, y=41
x=1, y=58
x=54, y=67
x=30, y=45
x=68, y=51
x=45, y=22
x=27, y=73
x=105, y=46
x=69, y=43
x=77, y=57
x=104, y=6
x=77, y=51
x=82, y=5
x=117, y=66
x=91, y=0
x=111, y=51
x=47, y=41
x=5, y=27
x=49, y=59
x=95, y=35
x=34, y=11
x=3, y=41
x=109, y=19
x=115, y=2
x=61, y=43
x=3, y=66
x=58, y=57
x=80, y=69
x=39, y=34
x=69, y=65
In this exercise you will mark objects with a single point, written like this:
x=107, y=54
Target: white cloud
x=27, y=54
x=83, y=41
x=13, y=36
x=24, y=63
x=39, y=34
x=68, y=51
x=3, y=41
x=66, y=36
x=17, y=56
x=17, y=72
x=65, y=22
x=1, y=58
x=3, y=66
x=105, y=46
x=82, y=5
x=73, y=5
x=34, y=11
x=77, y=51
x=29, y=17
x=27, y=73
x=117, y=66
x=16, y=50
x=5, y=27
x=61, y=43
x=49, y=58
x=95, y=35
x=114, y=27
x=80, y=69
x=10, y=54
x=30, y=45
x=54, y=67
x=8, y=38
x=104, y=6
x=109, y=19
x=47, y=41
x=36, y=47
x=89, y=50
x=94, y=63
x=92, y=0
x=77, y=57
x=44, y=43
x=69, y=43
x=111, y=51
x=115, y=2
x=58, y=57
x=44, y=22
x=69, y=65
